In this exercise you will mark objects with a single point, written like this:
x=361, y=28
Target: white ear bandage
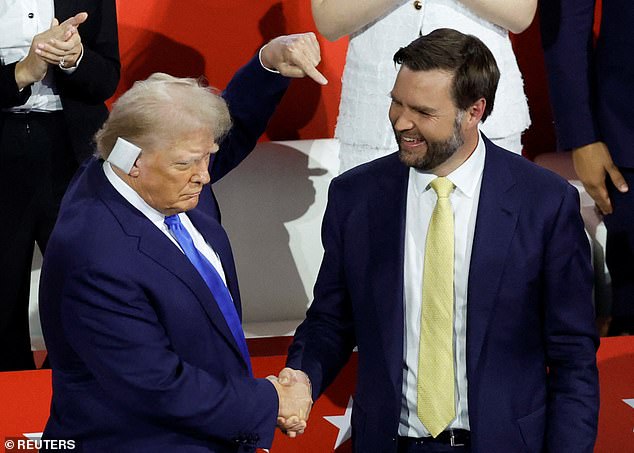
x=124, y=154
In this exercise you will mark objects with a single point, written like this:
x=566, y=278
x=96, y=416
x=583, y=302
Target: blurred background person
x=592, y=94
x=54, y=80
x=378, y=28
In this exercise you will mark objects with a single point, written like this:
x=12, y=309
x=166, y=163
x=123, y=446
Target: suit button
x=31, y=15
x=418, y=4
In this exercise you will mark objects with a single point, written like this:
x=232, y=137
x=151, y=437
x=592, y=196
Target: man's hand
x=592, y=162
x=294, y=56
x=295, y=402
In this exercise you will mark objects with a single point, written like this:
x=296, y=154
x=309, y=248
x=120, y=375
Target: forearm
x=570, y=334
x=98, y=73
x=337, y=18
x=95, y=79
x=514, y=15
x=566, y=31
x=252, y=96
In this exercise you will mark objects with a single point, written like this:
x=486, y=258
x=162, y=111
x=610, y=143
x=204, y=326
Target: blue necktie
x=214, y=282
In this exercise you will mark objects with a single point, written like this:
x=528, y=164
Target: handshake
x=295, y=400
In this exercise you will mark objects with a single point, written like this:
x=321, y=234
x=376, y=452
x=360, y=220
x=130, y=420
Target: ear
x=475, y=112
x=135, y=171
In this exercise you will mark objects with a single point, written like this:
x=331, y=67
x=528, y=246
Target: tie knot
x=172, y=221
x=442, y=186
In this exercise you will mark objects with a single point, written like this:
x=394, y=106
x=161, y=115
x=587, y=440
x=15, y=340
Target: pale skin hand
x=294, y=56
x=34, y=66
x=593, y=163
x=69, y=47
x=337, y=18
x=291, y=420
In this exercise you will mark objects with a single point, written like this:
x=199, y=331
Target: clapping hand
x=60, y=43
x=63, y=45
x=295, y=401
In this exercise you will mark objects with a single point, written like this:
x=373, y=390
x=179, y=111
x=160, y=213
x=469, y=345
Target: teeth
x=409, y=139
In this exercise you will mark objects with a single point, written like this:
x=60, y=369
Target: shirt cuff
x=274, y=71
x=73, y=68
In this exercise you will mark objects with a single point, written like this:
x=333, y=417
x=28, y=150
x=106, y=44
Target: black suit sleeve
x=97, y=76
x=9, y=94
x=566, y=30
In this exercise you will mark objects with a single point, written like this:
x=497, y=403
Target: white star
x=629, y=402
x=343, y=423
x=33, y=436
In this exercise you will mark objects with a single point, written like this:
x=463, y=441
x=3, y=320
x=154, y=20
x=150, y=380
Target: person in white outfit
x=378, y=28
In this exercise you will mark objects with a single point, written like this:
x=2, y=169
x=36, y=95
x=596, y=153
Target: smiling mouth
x=411, y=142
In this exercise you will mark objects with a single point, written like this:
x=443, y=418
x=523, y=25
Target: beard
x=437, y=152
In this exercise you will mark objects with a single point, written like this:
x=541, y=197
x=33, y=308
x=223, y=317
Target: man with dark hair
x=462, y=274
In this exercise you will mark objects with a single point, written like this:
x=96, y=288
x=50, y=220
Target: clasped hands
x=59, y=45
x=295, y=400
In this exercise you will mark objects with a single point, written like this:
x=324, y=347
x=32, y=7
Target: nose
x=401, y=120
x=201, y=175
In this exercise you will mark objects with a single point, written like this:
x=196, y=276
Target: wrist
x=266, y=65
x=23, y=75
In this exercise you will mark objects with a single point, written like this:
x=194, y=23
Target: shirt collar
x=131, y=195
x=465, y=177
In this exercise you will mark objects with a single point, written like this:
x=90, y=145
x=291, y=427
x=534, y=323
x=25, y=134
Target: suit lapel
x=498, y=211
x=154, y=244
x=387, y=237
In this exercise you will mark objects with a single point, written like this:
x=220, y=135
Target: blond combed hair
x=156, y=112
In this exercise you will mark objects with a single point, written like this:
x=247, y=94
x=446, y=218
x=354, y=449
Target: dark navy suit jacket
x=531, y=341
x=142, y=358
x=591, y=87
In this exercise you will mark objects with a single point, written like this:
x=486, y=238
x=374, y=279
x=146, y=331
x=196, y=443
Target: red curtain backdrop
x=213, y=38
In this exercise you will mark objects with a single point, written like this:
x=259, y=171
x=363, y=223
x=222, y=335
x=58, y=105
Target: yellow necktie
x=436, y=405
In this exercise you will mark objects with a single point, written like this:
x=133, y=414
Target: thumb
x=617, y=179
x=286, y=376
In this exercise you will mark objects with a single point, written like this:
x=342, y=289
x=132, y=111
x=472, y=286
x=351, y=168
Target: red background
x=25, y=398
x=215, y=38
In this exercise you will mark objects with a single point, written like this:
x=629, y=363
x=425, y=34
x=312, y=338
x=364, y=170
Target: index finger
x=312, y=72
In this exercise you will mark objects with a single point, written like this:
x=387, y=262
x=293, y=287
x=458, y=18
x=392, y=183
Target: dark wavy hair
x=475, y=72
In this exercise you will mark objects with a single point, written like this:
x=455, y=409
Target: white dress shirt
x=421, y=200
x=158, y=219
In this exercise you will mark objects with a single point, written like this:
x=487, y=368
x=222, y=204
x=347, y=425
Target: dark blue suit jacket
x=531, y=341
x=591, y=87
x=142, y=358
